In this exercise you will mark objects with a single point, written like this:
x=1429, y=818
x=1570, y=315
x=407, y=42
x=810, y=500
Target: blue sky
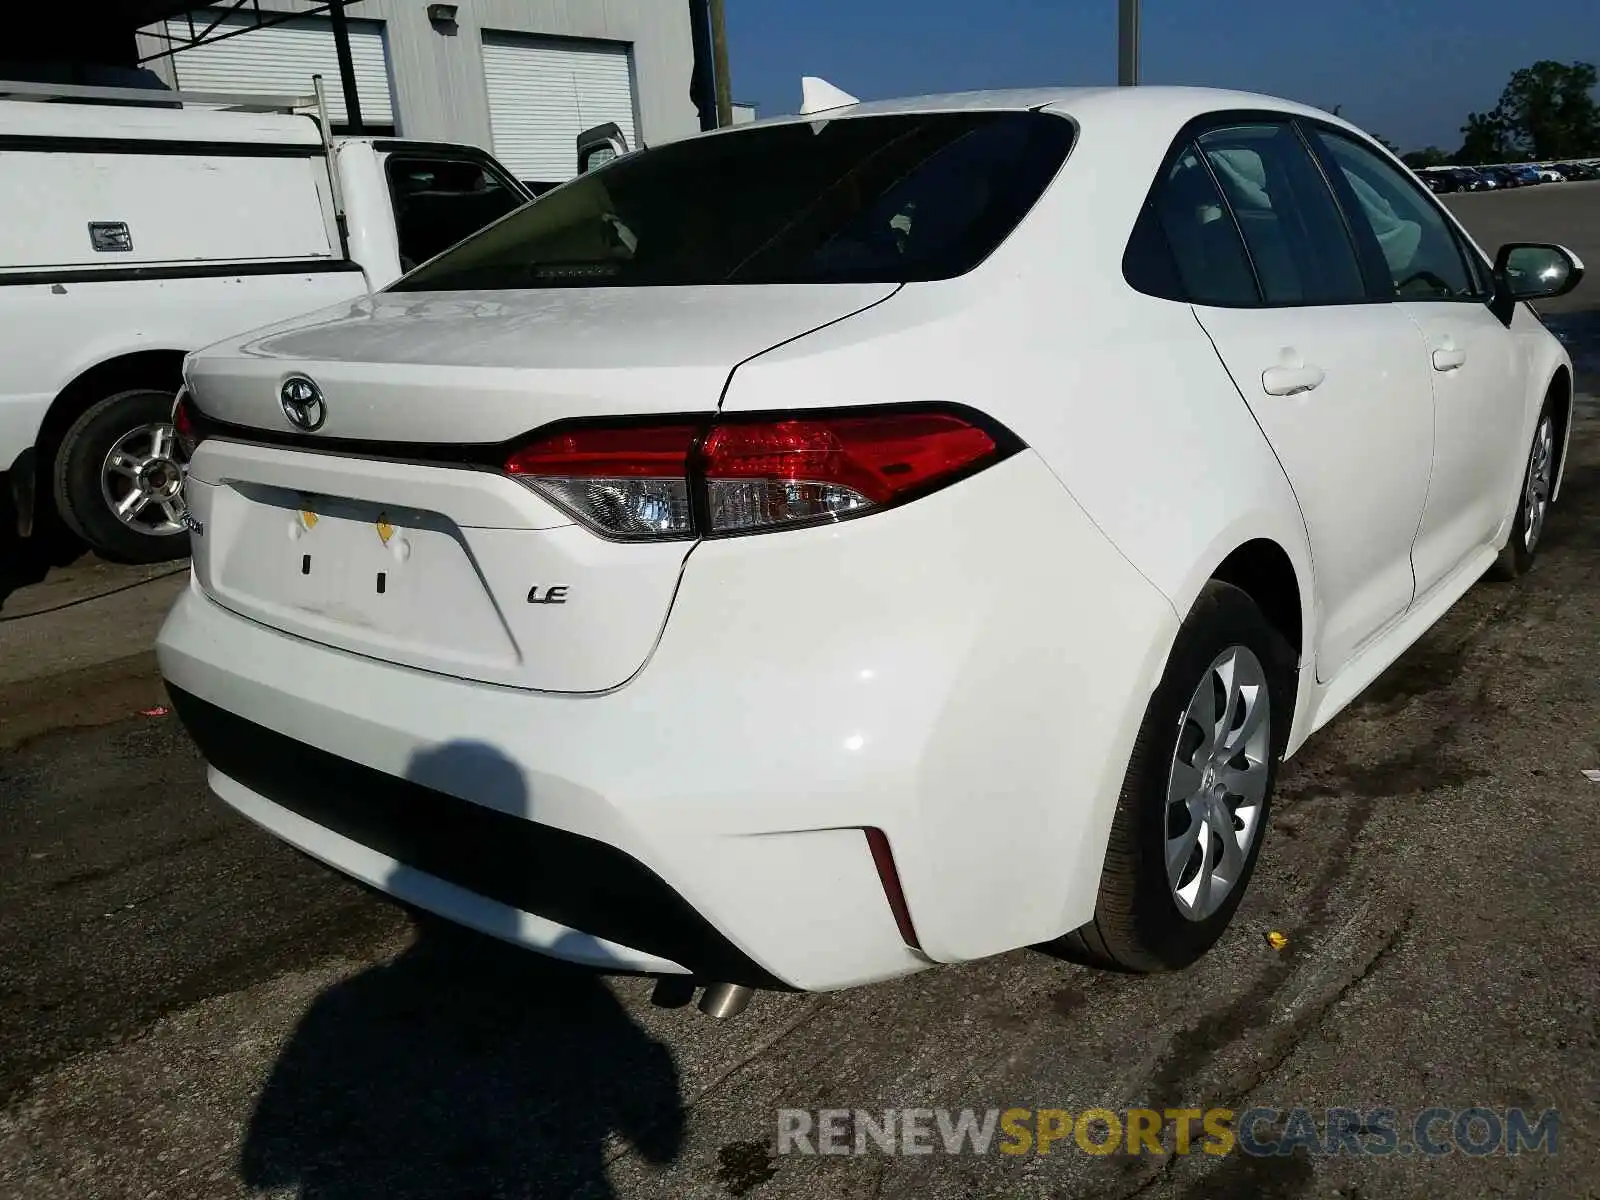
x=1410, y=71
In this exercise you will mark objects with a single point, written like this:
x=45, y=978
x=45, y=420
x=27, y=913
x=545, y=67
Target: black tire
x=1516, y=557
x=80, y=463
x=1138, y=925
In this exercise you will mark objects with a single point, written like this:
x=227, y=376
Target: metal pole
x=347, y=66
x=719, y=58
x=335, y=188
x=1127, y=43
x=702, y=84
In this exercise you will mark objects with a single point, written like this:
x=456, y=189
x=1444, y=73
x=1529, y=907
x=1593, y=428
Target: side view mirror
x=598, y=146
x=1532, y=271
x=1536, y=270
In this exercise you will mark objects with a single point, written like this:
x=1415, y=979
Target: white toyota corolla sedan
x=808, y=552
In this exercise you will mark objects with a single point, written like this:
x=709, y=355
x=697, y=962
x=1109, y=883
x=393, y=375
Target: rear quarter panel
x=1121, y=394
x=1123, y=398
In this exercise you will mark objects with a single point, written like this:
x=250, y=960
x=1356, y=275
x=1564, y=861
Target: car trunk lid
x=389, y=531
x=482, y=367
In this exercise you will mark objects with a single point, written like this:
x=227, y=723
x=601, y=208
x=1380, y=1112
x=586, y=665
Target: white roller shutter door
x=281, y=59
x=544, y=92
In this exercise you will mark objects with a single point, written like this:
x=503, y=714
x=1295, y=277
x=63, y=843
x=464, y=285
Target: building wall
x=437, y=75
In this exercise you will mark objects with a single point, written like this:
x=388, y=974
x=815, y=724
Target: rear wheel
x=1533, y=501
x=119, y=478
x=1195, y=799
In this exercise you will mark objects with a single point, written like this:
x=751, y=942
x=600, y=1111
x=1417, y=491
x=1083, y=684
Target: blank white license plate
x=400, y=574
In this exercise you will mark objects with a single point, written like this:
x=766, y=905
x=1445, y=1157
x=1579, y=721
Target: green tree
x=1484, y=139
x=1550, y=109
x=1430, y=157
x=1547, y=111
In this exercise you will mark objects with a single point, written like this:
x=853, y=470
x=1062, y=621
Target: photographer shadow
x=466, y=1067
x=25, y=561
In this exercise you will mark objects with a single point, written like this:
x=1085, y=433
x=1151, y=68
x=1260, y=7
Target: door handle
x=1291, y=381
x=1449, y=358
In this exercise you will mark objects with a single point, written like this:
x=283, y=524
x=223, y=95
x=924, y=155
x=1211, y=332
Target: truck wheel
x=119, y=478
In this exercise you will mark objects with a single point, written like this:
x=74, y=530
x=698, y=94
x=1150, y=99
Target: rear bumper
x=966, y=674
x=628, y=916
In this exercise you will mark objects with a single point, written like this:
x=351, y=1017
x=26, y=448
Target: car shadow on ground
x=465, y=1067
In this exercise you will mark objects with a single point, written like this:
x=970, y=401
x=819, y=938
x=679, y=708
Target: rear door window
x=438, y=201
x=1294, y=230
x=864, y=199
x=1207, y=251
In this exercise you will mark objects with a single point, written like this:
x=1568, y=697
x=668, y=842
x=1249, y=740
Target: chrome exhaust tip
x=724, y=1000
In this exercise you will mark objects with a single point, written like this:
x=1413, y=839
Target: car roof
x=1159, y=104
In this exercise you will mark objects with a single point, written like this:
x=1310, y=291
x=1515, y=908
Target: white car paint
x=54, y=333
x=1477, y=365
x=234, y=229
x=1374, y=376
x=516, y=360
x=965, y=672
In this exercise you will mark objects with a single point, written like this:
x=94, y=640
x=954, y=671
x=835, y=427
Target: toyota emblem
x=302, y=403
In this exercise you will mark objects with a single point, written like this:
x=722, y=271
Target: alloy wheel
x=1217, y=786
x=1536, y=497
x=142, y=480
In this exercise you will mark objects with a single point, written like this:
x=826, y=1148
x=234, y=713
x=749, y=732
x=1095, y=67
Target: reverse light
x=626, y=482
x=746, y=475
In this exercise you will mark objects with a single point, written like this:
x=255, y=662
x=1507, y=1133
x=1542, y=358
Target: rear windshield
x=867, y=199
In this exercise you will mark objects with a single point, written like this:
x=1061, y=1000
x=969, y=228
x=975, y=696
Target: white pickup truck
x=138, y=228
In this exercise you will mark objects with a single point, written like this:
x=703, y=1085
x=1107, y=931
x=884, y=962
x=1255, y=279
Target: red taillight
x=658, y=451
x=186, y=430
x=642, y=481
x=623, y=481
x=810, y=468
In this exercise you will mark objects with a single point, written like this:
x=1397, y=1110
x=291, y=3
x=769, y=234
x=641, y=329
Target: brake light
x=805, y=469
x=624, y=482
x=746, y=475
x=186, y=430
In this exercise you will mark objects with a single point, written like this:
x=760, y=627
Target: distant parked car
x=1527, y=176
x=1440, y=180
x=1551, y=175
x=1478, y=179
